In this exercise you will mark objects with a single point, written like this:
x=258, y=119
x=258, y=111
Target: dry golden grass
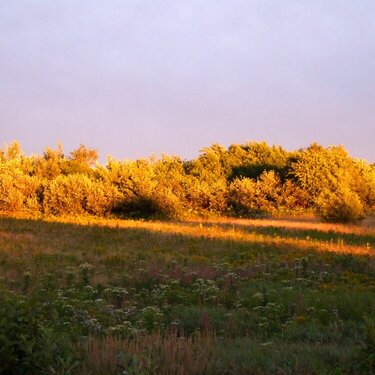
x=367, y=227
x=242, y=230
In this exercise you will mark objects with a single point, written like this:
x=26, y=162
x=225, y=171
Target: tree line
x=244, y=180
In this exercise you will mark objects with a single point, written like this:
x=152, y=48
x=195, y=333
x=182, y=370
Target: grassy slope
x=201, y=297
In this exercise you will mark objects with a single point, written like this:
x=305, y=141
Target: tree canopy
x=247, y=180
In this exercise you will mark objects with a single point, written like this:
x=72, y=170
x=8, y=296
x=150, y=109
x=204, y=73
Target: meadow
x=229, y=296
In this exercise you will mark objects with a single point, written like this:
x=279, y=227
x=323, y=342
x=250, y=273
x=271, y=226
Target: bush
x=294, y=198
x=251, y=180
x=248, y=197
x=101, y=198
x=18, y=191
x=28, y=345
x=242, y=196
x=340, y=206
x=78, y=194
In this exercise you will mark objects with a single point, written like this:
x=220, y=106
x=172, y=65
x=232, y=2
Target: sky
x=134, y=77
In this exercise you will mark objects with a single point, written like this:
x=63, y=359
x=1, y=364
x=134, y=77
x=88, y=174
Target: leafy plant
x=29, y=343
x=341, y=206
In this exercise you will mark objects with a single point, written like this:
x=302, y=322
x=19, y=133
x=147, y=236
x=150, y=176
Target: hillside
x=196, y=297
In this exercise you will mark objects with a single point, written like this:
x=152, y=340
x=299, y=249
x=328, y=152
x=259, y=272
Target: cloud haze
x=132, y=77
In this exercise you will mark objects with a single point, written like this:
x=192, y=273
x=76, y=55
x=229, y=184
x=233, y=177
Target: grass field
x=198, y=297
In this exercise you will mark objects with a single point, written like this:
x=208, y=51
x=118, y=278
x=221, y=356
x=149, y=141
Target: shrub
x=151, y=318
x=242, y=195
x=167, y=203
x=101, y=198
x=363, y=181
x=18, y=191
x=250, y=180
x=28, y=345
x=163, y=203
x=248, y=197
x=294, y=198
x=204, y=197
x=269, y=191
x=65, y=195
x=78, y=194
x=340, y=206
x=318, y=169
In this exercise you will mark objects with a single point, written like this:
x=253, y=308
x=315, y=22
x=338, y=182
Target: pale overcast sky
x=135, y=77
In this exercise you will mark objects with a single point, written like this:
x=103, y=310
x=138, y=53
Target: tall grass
x=196, y=297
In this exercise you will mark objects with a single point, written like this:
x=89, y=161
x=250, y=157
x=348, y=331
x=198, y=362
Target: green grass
x=138, y=297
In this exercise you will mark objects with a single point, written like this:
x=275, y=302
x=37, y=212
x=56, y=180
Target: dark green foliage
x=29, y=341
x=367, y=353
x=254, y=171
x=252, y=159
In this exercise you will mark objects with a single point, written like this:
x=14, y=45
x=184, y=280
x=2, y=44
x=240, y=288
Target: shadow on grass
x=177, y=239
x=313, y=234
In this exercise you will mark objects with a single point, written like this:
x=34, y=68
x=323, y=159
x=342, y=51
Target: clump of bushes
x=265, y=196
x=340, y=188
x=244, y=180
x=18, y=191
x=341, y=206
x=78, y=194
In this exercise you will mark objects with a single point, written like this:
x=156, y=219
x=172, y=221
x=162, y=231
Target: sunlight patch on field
x=235, y=232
